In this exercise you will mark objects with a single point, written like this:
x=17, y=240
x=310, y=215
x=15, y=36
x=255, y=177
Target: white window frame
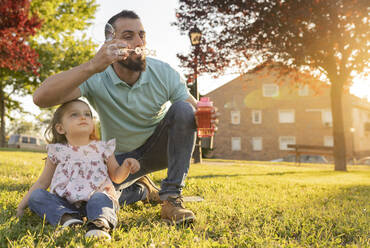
x=257, y=143
x=236, y=146
x=284, y=145
x=266, y=90
x=235, y=115
x=259, y=112
x=290, y=111
x=329, y=141
x=326, y=117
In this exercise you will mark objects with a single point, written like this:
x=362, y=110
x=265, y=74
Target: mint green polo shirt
x=131, y=114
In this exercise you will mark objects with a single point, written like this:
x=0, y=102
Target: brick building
x=263, y=111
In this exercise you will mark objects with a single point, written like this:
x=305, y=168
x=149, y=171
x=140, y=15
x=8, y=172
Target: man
x=131, y=94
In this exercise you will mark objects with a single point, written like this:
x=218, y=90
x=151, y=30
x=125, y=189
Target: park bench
x=309, y=149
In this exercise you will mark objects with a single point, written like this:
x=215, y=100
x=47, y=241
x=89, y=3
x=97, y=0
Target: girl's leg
x=100, y=206
x=53, y=207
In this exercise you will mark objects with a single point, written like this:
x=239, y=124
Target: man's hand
x=132, y=164
x=110, y=52
x=214, y=118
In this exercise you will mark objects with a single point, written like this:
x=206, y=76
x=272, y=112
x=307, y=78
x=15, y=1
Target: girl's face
x=77, y=120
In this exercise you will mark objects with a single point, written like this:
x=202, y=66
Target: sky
x=163, y=38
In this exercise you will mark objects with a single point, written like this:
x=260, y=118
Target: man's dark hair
x=123, y=14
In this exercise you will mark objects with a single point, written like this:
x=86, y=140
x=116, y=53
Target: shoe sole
x=98, y=234
x=72, y=222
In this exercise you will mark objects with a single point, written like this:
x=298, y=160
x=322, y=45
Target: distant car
x=363, y=161
x=305, y=158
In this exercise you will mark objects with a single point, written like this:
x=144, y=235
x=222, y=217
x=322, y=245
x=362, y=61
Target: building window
x=236, y=144
x=25, y=140
x=327, y=118
x=257, y=143
x=270, y=90
x=328, y=141
x=32, y=140
x=235, y=117
x=284, y=141
x=286, y=116
x=303, y=90
x=256, y=116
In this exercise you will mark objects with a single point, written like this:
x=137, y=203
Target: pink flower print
x=67, y=194
x=89, y=174
x=68, y=157
x=102, y=172
x=78, y=164
x=81, y=173
x=94, y=147
x=92, y=186
x=103, y=156
x=79, y=187
x=54, y=159
x=65, y=172
x=75, y=148
x=94, y=163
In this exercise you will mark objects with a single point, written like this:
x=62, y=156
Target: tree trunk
x=339, y=152
x=2, y=120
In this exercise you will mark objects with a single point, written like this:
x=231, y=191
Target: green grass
x=247, y=204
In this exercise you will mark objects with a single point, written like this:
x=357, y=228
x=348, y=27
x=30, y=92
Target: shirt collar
x=143, y=79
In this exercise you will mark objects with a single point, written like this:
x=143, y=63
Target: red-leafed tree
x=16, y=56
x=329, y=37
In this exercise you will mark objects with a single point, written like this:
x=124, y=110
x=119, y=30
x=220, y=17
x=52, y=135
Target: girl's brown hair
x=51, y=134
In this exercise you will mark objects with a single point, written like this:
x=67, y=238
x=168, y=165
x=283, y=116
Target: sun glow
x=361, y=87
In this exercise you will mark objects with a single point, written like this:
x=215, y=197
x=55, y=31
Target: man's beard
x=138, y=64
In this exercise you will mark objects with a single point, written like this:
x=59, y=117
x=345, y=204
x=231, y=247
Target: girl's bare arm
x=119, y=173
x=43, y=182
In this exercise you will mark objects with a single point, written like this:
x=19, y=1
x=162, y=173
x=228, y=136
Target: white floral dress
x=81, y=170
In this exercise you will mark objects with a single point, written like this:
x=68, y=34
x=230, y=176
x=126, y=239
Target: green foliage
x=60, y=43
x=246, y=205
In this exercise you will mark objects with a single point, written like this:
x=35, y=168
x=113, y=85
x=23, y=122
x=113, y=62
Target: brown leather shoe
x=153, y=191
x=174, y=212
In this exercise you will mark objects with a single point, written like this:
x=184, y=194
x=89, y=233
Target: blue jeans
x=53, y=207
x=170, y=147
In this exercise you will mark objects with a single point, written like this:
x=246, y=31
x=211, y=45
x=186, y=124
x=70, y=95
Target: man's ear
x=59, y=128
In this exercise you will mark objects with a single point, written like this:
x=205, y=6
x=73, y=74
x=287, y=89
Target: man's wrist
x=90, y=67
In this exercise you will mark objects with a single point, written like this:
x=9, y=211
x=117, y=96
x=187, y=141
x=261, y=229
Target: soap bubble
x=109, y=32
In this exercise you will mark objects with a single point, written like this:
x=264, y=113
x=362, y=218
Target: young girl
x=79, y=170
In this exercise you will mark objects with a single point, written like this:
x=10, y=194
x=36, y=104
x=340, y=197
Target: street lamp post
x=195, y=36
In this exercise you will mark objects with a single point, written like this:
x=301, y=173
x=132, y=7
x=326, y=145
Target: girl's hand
x=20, y=212
x=132, y=164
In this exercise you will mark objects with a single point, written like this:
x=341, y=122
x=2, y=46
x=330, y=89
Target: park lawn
x=246, y=204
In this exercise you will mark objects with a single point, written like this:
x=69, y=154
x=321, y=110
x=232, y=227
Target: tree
x=16, y=26
x=327, y=37
x=22, y=126
x=60, y=44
